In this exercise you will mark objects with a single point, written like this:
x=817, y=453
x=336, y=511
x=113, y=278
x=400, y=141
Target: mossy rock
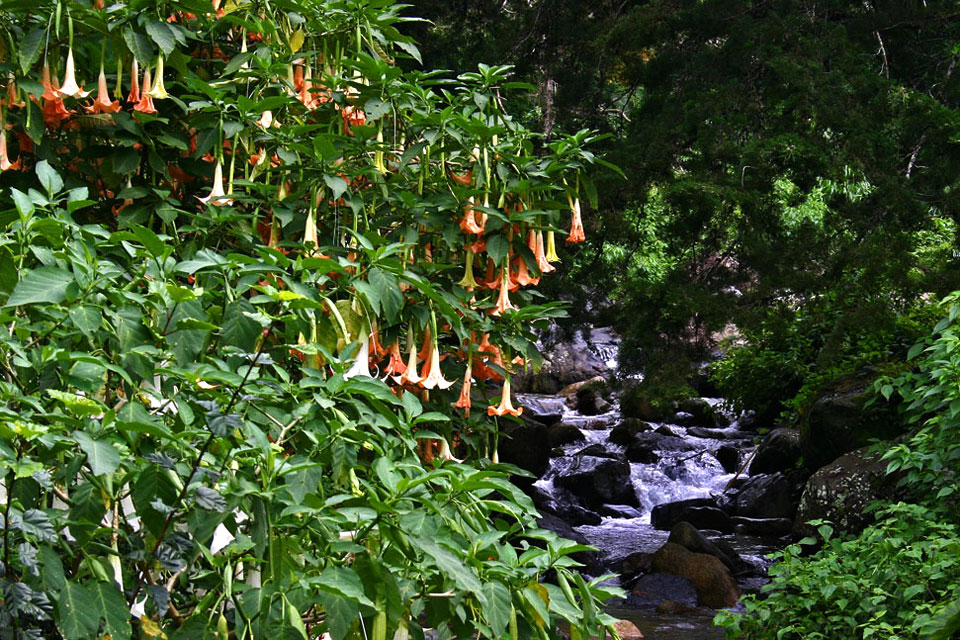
x=839, y=420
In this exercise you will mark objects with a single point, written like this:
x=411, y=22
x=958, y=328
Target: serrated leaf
x=101, y=456
x=43, y=284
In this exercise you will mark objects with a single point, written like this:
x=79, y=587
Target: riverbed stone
x=599, y=450
x=839, y=420
x=770, y=496
x=626, y=431
x=655, y=588
x=664, y=516
x=598, y=481
x=840, y=492
x=689, y=537
x=643, y=453
x=715, y=584
x=525, y=446
x=762, y=526
x=619, y=511
x=779, y=451
x=563, y=433
x=729, y=457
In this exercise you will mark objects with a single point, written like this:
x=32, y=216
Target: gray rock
x=664, y=516
x=619, y=511
x=687, y=535
x=642, y=453
x=840, y=491
x=597, y=449
x=655, y=588
x=839, y=420
x=563, y=433
x=626, y=432
x=769, y=496
x=779, y=451
x=729, y=458
x=762, y=526
x=598, y=481
x=525, y=446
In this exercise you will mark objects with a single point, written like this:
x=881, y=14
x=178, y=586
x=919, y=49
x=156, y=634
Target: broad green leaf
x=162, y=35
x=390, y=297
x=101, y=456
x=139, y=46
x=78, y=618
x=113, y=609
x=30, y=47
x=76, y=404
x=43, y=284
x=86, y=318
x=49, y=178
x=343, y=581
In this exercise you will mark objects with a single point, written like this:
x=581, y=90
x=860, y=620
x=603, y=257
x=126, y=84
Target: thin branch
x=885, y=69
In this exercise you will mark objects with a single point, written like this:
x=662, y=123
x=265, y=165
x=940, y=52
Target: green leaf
x=390, y=296
x=113, y=609
x=148, y=239
x=77, y=612
x=101, y=456
x=945, y=624
x=496, y=608
x=140, y=46
x=43, y=284
x=454, y=568
x=344, y=582
x=30, y=47
x=49, y=178
x=162, y=35
x=23, y=202
x=87, y=319
x=498, y=247
x=338, y=186
x=77, y=405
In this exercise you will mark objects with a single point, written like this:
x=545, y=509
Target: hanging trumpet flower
x=217, y=195
x=409, y=375
x=158, y=91
x=361, y=363
x=395, y=367
x=445, y=454
x=552, y=248
x=463, y=402
x=102, y=103
x=468, y=282
x=134, y=97
x=433, y=379
x=5, y=163
x=70, y=88
x=503, y=299
x=145, y=105
x=505, y=407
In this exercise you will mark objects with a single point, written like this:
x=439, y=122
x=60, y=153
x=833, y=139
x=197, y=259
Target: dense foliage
x=900, y=577
x=238, y=283
x=792, y=170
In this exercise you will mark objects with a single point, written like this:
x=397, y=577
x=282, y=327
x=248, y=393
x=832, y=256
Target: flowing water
x=692, y=472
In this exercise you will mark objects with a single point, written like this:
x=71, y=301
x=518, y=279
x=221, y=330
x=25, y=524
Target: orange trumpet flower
x=102, y=103
x=505, y=407
x=503, y=299
x=145, y=105
x=395, y=366
x=576, y=224
x=433, y=379
x=5, y=163
x=134, y=97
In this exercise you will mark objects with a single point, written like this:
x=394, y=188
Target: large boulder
x=598, y=481
x=840, y=491
x=839, y=420
x=546, y=409
x=689, y=537
x=770, y=496
x=642, y=452
x=563, y=433
x=769, y=527
x=590, y=402
x=779, y=451
x=715, y=584
x=569, y=359
x=525, y=446
x=654, y=588
x=626, y=432
x=729, y=457
x=664, y=516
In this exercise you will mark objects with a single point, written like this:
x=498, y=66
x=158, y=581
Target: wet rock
x=664, y=516
x=590, y=402
x=597, y=449
x=684, y=419
x=661, y=442
x=762, y=526
x=626, y=630
x=598, y=481
x=779, y=451
x=729, y=458
x=671, y=608
x=563, y=433
x=748, y=421
x=712, y=518
x=570, y=358
x=699, y=409
x=839, y=420
x=626, y=431
x=643, y=453
x=571, y=390
x=770, y=496
x=655, y=588
x=718, y=434
x=687, y=536
x=634, y=404
x=565, y=506
x=525, y=446
x=840, y=491
x=664, y=430
x=635, y=564
x=715, y=584
x=545, y=409
x=619, y=511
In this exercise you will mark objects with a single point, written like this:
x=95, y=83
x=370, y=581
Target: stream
x=680, y=465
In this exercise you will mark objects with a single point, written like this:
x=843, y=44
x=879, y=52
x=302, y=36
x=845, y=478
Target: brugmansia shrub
x=900, y=578
x=253, y=280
